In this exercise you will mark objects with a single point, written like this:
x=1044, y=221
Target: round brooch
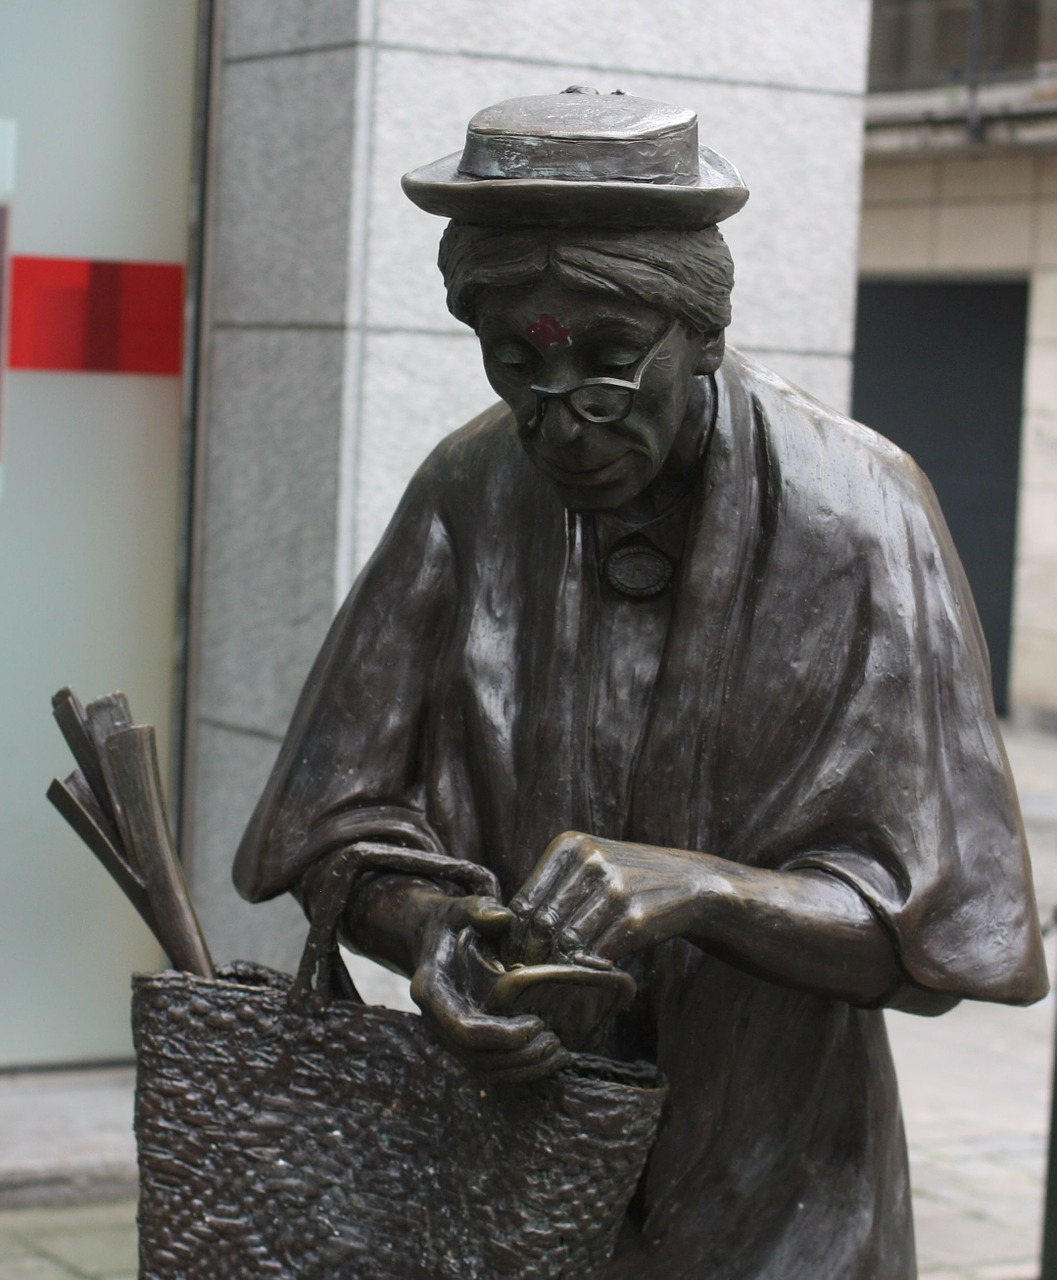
x=638, y=569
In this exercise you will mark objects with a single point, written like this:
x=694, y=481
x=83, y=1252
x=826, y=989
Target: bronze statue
x=686, y=660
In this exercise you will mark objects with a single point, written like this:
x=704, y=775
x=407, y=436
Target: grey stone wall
x=333, y=364
x=271, y=433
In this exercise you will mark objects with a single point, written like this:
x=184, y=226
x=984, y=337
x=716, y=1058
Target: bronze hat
x=565, y=159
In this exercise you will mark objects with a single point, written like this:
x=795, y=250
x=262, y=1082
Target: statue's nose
x=559, y=425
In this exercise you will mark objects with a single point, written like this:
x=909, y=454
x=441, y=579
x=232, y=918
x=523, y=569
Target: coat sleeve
x=824, y=699
x=902, y=788
x=350, y=766
x=943, y=859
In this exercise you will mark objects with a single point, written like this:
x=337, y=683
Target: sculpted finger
x=547, y=873
x=582, y=906
x=591, y=960
x=605, y=923
x=546, y=898
x=460, y=1025
x=544, y=1057
x=474, y=1034
x=452, y=1013
x=572, y=905
x=537, y=1071
x=488, y=917
x=483, y=1032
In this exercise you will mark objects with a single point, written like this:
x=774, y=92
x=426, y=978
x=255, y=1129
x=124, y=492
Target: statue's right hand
x=518, y=1047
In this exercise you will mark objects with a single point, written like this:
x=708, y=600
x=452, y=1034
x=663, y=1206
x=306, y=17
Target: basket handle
x=321, y=975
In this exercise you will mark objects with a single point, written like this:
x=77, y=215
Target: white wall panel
x=820, y=44
x=101, y=91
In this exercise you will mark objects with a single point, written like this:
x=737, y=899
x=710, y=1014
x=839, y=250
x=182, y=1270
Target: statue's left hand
x=589, y=897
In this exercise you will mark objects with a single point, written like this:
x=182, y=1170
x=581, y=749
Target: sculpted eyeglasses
x=602, y=400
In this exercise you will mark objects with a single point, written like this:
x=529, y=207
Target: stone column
x=270, y=435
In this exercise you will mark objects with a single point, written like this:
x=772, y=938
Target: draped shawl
x=822, y=700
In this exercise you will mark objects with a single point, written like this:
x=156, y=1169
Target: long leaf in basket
x=72, y=720
x=132, y=770
x=105, y=716
x=78, y=804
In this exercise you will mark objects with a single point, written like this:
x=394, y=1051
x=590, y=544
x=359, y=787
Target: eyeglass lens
x=601, y=403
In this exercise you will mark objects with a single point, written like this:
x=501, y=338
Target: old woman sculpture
x=688, y=660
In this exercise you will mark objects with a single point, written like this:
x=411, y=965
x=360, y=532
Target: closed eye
x=612, y=360
x=514, y=356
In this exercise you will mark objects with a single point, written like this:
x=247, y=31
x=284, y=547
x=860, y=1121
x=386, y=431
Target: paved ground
x=90, y=1241
x=975, y=1085
x=96, y=1242
x=975, y=1090
x=66, y=1136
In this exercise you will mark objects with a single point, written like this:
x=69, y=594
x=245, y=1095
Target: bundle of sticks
x=114, y=801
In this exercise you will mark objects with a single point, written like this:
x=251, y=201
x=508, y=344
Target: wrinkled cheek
x=655, y=424
x=648, y=445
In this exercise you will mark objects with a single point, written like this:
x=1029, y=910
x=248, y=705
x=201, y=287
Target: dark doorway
x=939, y=369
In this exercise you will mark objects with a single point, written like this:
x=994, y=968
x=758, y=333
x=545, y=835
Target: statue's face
x=551, y=338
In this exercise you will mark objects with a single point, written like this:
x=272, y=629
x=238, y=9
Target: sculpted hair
x=688, y=274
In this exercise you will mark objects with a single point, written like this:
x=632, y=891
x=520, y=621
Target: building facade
x=960, y=189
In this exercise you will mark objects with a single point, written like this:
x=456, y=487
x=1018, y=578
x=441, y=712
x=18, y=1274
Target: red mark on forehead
x=548, y=331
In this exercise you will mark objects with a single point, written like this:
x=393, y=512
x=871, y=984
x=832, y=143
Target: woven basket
x=279, y=1137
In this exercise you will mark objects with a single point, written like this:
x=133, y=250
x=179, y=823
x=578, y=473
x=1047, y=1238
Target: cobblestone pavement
x=91, y=1242
x=975, y=1086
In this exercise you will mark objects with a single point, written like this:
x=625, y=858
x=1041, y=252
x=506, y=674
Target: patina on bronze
x=770, y=788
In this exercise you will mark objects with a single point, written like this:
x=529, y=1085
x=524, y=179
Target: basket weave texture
x=296, y=1140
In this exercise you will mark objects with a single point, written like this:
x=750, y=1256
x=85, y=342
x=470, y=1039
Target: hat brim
x=549, y=202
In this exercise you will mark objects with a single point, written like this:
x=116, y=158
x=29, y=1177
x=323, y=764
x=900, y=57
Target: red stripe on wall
x=110, y=317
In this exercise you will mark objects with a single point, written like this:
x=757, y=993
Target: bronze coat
x=821, y=699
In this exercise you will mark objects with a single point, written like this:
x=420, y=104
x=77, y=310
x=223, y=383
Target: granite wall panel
x=256, y=28
x=231, y=768
x=417, y=389
x=820, y=45
x=279, y=239
x=269, y=522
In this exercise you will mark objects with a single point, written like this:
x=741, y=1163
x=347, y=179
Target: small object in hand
x=573, y=999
